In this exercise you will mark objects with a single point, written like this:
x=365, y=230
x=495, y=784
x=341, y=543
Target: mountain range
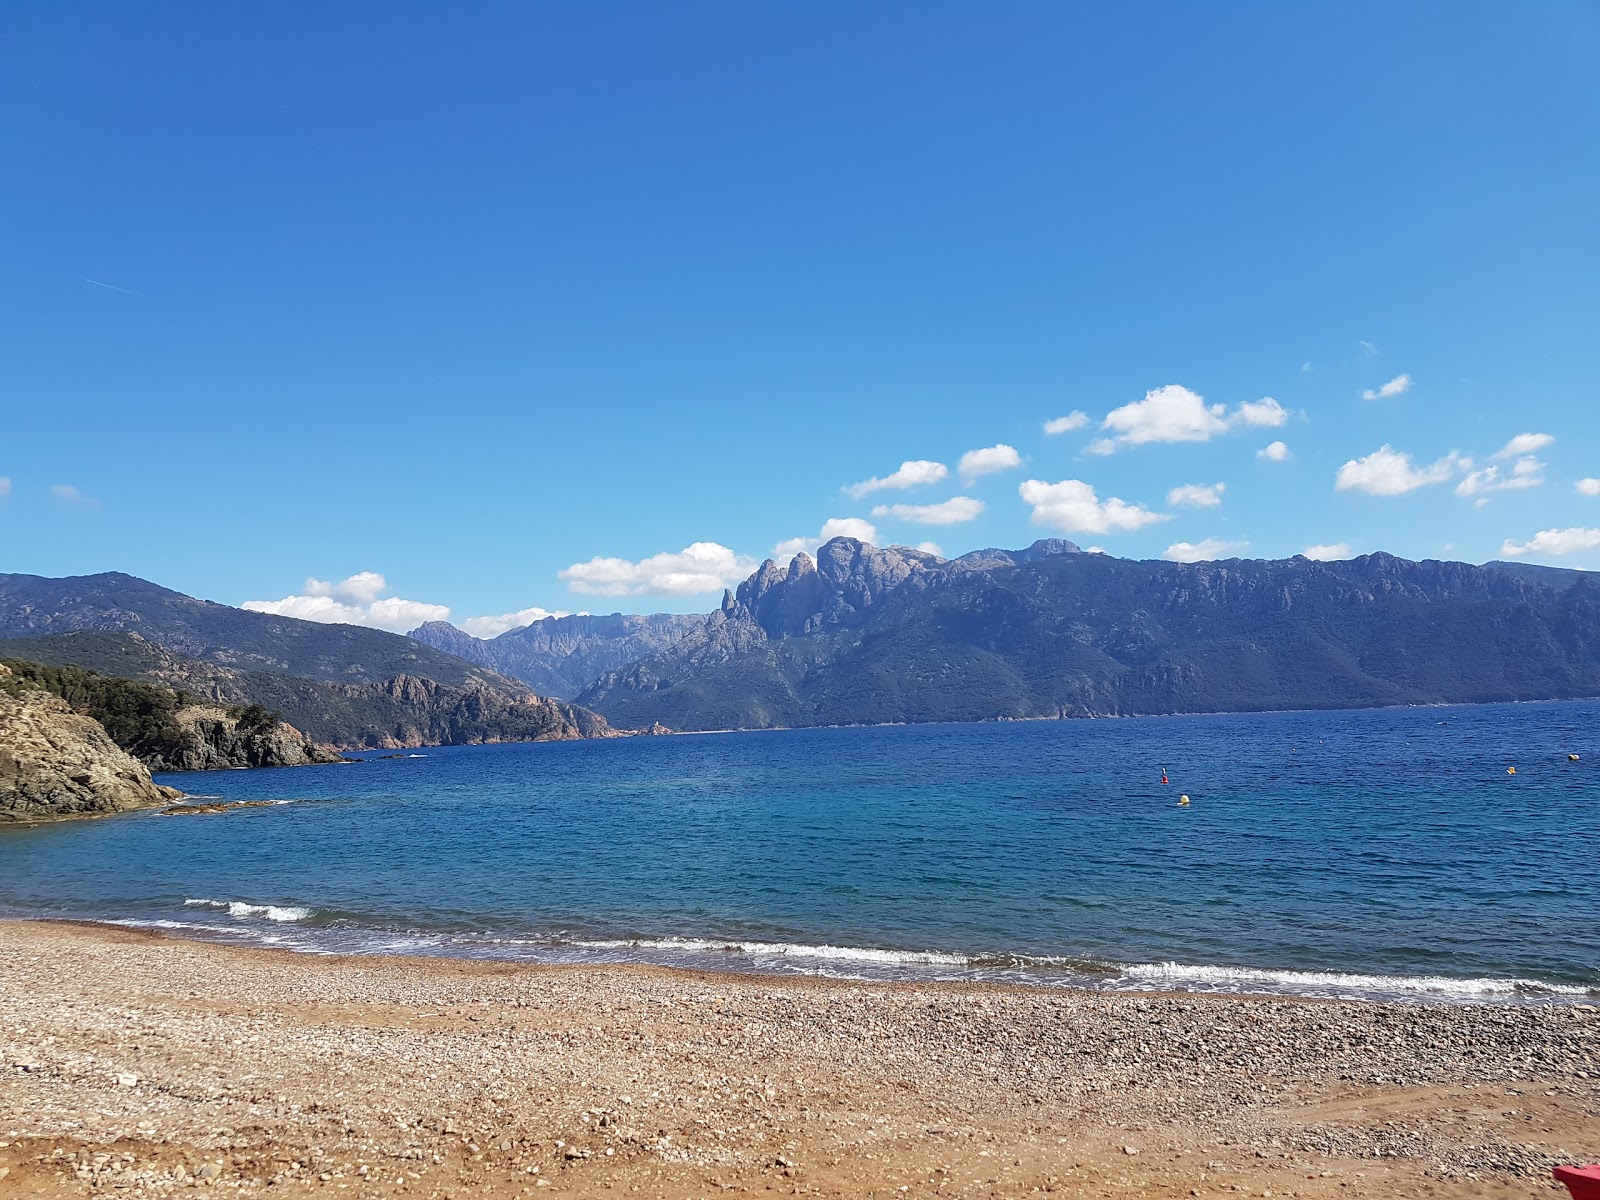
x=863, y=635
x=343, y=685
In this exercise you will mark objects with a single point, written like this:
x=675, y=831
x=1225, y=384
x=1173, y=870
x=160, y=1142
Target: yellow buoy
x=1511, y=770
x=1182, y=800
x=1572, y=758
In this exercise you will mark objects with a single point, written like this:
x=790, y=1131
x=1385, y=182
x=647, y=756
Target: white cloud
x=1589, y=487
x=1525, y=473
x=1554, y=541
x=1073, y=507
x=1190, y=552
x=1367, y=349
x=361, y=588
x=1397, y=386
x=789, y=547
x=696, y=569
x=1524, y=443
x=1274, y=452
x=1305, y=368
x=1265, y=413
x=850, y=527
x=931, y=548
x=490, y=627
x=1330, y=552
x=353, y=601
x=949, y=512
x=1196, y=495
x=910, y=474
x=5, y=486
x=1389, y=472
x=1175, y=414
x=1167, y=414
x=987, y=461
x=68, y=494
x=1073, y=420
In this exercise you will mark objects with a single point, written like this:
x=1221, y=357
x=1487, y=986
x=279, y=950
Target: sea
x=1447, y=854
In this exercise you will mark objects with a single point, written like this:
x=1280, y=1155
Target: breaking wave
x=241, y=908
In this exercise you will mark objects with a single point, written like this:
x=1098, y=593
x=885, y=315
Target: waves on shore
x=313, y=930
x=240, y=908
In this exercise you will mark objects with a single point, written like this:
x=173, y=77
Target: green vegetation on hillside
x=140, y=717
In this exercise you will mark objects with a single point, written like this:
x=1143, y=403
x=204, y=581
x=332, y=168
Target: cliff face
x=405, y=711
x=57, y=763
x=212, y=739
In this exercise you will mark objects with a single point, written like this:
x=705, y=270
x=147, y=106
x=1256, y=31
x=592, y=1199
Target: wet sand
x=136, y=1064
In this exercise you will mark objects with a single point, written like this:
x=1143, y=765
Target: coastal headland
x=132, y=1063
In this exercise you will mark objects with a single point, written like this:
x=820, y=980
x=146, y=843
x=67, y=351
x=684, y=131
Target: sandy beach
x=136, y=1064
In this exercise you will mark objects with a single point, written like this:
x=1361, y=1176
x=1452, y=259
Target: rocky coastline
x=57, y=763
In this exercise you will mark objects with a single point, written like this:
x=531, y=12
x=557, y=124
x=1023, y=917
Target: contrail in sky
x=112, y=286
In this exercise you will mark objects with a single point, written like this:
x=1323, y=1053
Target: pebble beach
x=132, y=1063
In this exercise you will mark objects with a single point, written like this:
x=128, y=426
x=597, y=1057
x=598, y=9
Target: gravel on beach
x=137, y=1064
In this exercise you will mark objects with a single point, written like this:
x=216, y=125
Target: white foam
x=1183, y=975
x=784, y=950
x=239, y=908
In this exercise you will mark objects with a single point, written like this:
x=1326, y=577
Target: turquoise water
x=1370, y=853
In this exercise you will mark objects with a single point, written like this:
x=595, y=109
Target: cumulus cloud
x=1196, y=495
x=1589, y=487
x=491, y=627
x=696, y=569
x=1175, y=414
x=1390, y=472
x=987, y=461
x=1554, y=541
x=949, y=512
x=355, y=600
x=1522, y=444
x=1204, y=551
x=68, y=494
x=910, y=474
x=1397, y=386
x=930, y=548
x=1330, y=552
x=851, y=527
x=1525, y=473
x=1073, y=507
x=1265, y=413
x=1274, y=452
x=1073, y=420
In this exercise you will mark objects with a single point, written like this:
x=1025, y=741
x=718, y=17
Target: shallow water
x=1376, y=853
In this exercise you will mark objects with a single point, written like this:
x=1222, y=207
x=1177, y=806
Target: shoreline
x=284, y=930
x=157, y=1062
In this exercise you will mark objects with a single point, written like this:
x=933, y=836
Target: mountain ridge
x=865, y=635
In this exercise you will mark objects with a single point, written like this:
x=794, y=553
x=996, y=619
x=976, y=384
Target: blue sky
x=469, y=296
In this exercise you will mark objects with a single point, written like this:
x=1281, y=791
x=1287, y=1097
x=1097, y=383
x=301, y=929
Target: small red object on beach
x=1582, y=1182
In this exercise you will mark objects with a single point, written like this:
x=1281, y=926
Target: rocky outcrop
x=213, y=739
x=57, y=763
x=401, y=712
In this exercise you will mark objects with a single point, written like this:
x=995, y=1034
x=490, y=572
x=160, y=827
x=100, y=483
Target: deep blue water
x=1377, y=852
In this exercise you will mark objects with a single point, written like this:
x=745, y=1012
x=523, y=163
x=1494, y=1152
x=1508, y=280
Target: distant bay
x=1361, y=853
